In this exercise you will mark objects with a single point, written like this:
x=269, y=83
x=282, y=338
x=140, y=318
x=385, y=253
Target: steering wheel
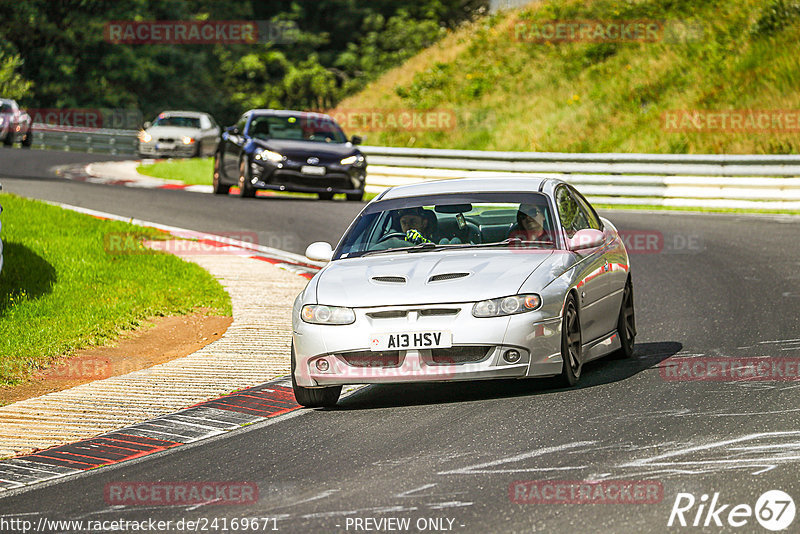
x=399, y=235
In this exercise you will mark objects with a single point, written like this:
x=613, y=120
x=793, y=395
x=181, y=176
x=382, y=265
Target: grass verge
x=193, y=171
x=63, y=287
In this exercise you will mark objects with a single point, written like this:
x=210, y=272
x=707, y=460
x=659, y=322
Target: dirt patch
x=167, y=339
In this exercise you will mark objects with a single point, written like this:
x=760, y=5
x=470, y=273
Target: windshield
x=316, y=129
x=421, y=224
x=180, y=122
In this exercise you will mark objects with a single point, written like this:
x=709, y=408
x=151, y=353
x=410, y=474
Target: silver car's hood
x=492, y=273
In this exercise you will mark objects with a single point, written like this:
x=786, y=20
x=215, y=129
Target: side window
x=572, y=219
x=241, y=124
x=204, y=122
x=591, y=216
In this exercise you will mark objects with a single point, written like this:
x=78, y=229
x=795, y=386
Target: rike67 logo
x=774, y=510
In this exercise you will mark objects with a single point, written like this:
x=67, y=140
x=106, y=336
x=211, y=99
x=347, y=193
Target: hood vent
x=389, y=279
x=446, y=276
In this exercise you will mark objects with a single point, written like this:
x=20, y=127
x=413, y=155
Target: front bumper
x=288, y=177
x=477, y=351
x=181, y=150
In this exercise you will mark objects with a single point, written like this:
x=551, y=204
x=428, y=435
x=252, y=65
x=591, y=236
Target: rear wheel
x=246, y=189
x=325, y=196
x=314, y=397
x=219, y=187
x=571, y=344
x=626, y=323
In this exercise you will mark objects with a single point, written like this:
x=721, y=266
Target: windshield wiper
x=507, y=242
x=422, y=247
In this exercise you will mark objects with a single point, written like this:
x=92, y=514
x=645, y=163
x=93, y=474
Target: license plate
x=311, y=169
x=411, y=341
x=163, y=146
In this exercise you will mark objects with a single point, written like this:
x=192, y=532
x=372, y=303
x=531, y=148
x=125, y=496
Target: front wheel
x=8, y=139
x=626, y=323
x=27, y=141
x=571, y=344
x=314, y=397
x=219, y=187
x=246, y=189
x=355, y=197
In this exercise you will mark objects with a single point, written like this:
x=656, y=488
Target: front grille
x=289, y=177
x=166, y=140
x=388, y=358
x=389, y=314
x=439, y=312
x=446, y=276
x=456, y=355
x=389, y=279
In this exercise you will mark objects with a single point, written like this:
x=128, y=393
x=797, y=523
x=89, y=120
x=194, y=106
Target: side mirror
x=147, y=125
x=319, y=251
x=584, y=239
x=232, y=130
x=356, y=140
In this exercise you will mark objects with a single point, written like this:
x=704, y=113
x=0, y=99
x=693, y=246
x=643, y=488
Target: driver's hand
x=413, y=236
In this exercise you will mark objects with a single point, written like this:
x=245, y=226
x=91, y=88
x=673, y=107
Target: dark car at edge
x=284, y=150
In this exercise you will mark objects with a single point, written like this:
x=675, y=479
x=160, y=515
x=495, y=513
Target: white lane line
x=482, y=468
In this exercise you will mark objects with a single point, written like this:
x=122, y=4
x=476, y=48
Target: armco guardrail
x=719, y=181
x=693, y=180
x=123, y=142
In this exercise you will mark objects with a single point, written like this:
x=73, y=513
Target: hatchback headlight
x=145, y=137
x=506, y=306
x=355, y=158
x=319, y=314
x=268, y=155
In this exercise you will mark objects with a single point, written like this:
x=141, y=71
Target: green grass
x=690, y=209
x=601, y=97
x=63, y=287
x=193, y=171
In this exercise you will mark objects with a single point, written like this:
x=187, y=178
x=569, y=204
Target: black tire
x=571, y=344
x=314, y=397
x=626, y=323
x=198, y=151
x=8, y=139
x=246, y=189
x=27, y=141
x=325, y=196
x=355, y=197
x=219, y=187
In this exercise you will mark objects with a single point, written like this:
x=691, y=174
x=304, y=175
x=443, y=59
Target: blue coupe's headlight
x=319, y=314
x=269, y=155
x=506, y=306
x=355, y=158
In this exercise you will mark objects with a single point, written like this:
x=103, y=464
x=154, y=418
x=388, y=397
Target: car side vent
x=389, y=279
x=446, y=276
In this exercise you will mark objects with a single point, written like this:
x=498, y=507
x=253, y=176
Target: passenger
x=530, y=224
x=415, y=225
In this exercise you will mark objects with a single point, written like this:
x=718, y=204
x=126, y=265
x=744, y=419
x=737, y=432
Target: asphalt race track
x=445, y=455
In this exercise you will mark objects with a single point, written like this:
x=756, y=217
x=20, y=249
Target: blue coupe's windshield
x=303, y=128
x=464, y=220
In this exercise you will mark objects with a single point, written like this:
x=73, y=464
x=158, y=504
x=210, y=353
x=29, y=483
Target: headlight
x=145, y=137
x=355, y=158
x=506, y=306
x=269, y=155
x=188, y=140
x=319, y=314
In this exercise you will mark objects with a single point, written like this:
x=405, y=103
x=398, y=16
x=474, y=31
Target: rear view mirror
x=147, y=125
x=588, y=238
x=356, y=140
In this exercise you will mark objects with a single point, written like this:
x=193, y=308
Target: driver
x=530, y=223
x=414, y=225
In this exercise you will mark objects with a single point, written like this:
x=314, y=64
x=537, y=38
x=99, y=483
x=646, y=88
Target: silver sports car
x=463, y=280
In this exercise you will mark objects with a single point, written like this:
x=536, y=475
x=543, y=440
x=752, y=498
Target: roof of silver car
x=183, y=113
x=466, y=185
